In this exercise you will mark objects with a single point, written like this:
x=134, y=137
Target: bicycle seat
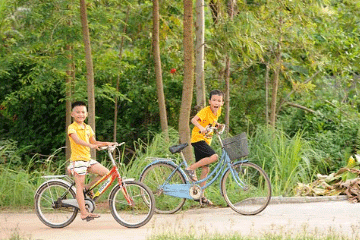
x=177, y=148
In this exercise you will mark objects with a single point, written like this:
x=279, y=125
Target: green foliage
x=332, y=131
x=287, y=160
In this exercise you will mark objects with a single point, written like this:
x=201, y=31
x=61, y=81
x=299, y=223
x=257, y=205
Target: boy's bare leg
x=204, y=162
x=98, y=169
x=79, y=183
x=204, y=172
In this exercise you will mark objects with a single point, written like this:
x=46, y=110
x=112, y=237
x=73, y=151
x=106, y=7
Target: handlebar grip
x=115, y=145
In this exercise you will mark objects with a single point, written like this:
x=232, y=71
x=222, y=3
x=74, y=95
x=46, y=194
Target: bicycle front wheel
x=154, y=177
x=48, y=206
x=246, y=188
x=132, y=205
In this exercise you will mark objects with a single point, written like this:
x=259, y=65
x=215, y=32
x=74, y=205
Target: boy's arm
x=77, y=140
x=195, y=121
x=99, y=143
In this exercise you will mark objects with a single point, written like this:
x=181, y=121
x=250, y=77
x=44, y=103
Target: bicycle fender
x=169, y=162
x=227, y=169
x=55, y=180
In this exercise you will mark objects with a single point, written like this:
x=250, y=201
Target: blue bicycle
x=245, y=186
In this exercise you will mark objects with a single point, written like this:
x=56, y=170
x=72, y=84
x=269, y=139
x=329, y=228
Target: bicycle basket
x=236, y=147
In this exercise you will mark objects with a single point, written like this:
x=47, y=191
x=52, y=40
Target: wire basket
x=236, y=147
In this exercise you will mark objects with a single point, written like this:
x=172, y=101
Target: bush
x=331, y=133
x=287, y=160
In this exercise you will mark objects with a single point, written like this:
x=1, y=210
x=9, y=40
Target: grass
x=267, y=236
x=191, y=235
x=286, y=160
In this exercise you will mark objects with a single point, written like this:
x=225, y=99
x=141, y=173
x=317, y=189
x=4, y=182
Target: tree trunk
x=158, y=70
x=227, y=94
x=118, y=79
x=227, y=74
x=200, y=54
x=188, y=83
x=70, y=75
x=89, y=69
x=267, y=93
x=276, y=78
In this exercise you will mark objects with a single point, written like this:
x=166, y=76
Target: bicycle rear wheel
x=154, y=177
x=48, y=206
x=139, y=211
x=246, y=189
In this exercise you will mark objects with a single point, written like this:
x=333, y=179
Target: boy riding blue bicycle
x=201, y=141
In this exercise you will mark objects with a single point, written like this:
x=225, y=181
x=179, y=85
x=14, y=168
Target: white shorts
x=80, y=167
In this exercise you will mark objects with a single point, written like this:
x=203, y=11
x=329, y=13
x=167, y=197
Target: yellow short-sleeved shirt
x=80, y=152
x=207, y=117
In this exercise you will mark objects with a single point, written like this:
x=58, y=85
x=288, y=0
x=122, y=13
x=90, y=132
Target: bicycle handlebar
x=112, y=147
x=215, y=129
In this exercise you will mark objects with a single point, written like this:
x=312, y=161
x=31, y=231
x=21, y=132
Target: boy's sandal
x=87, y=218
x=191, y=174
x=206, y=201
x=90, y=217
x=94, y=215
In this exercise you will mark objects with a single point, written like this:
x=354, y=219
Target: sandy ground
x=340, y=217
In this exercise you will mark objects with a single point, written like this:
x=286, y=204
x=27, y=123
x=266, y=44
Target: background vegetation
x=317, y=100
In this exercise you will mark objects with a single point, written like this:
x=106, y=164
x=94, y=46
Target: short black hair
x=216, y=92
x=77, y=103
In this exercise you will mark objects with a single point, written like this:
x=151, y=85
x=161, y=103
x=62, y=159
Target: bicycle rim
x=49, y=209
x=136, y=214
x=254, y=192
x=155, y=176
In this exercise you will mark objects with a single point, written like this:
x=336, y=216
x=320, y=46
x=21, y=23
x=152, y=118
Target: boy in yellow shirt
x=82, y=138
x=204, y=154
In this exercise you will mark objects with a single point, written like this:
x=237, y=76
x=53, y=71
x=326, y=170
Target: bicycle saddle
x=177, y=148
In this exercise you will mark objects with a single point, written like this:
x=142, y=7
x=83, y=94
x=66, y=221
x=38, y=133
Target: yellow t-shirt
x=80, y=152
x=206, y=118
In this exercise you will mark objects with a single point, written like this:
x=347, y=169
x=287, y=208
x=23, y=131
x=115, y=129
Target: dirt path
x=341, y=217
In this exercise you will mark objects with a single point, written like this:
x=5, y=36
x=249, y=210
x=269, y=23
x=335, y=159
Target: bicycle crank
x=195, y=192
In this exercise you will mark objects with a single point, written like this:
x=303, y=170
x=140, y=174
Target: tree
x=89, y=68
x=188, y=83
x=199, y=53
x=227, y=72
x=158, y=70
x=118, y=78
x=70, y=77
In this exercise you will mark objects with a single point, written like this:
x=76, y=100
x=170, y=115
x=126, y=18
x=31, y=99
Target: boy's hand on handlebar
x=94, y=146
x=111, y=143
x=203, y=130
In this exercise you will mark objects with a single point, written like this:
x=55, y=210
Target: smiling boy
x=204, y=154
x=82, y=138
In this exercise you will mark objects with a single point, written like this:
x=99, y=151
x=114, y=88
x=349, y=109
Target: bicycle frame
x=110, y=177
x=182, y=190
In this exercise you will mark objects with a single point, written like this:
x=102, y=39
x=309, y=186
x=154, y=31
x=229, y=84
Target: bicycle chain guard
x=90, y=205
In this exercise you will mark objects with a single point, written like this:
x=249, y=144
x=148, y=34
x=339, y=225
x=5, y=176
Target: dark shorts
x=202, y=150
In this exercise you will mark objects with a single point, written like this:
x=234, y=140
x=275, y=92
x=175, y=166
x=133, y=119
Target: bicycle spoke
x=246, y=188
x=136, y=214
x=45, y=197
x=155, y=176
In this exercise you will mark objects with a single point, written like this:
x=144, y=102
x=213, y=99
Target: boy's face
x=216, y=102
x=79, y=113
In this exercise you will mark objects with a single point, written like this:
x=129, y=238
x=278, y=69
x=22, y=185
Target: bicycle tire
x=153, y=177
x=49, y=211
x=132, y=216
x=254, y=196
